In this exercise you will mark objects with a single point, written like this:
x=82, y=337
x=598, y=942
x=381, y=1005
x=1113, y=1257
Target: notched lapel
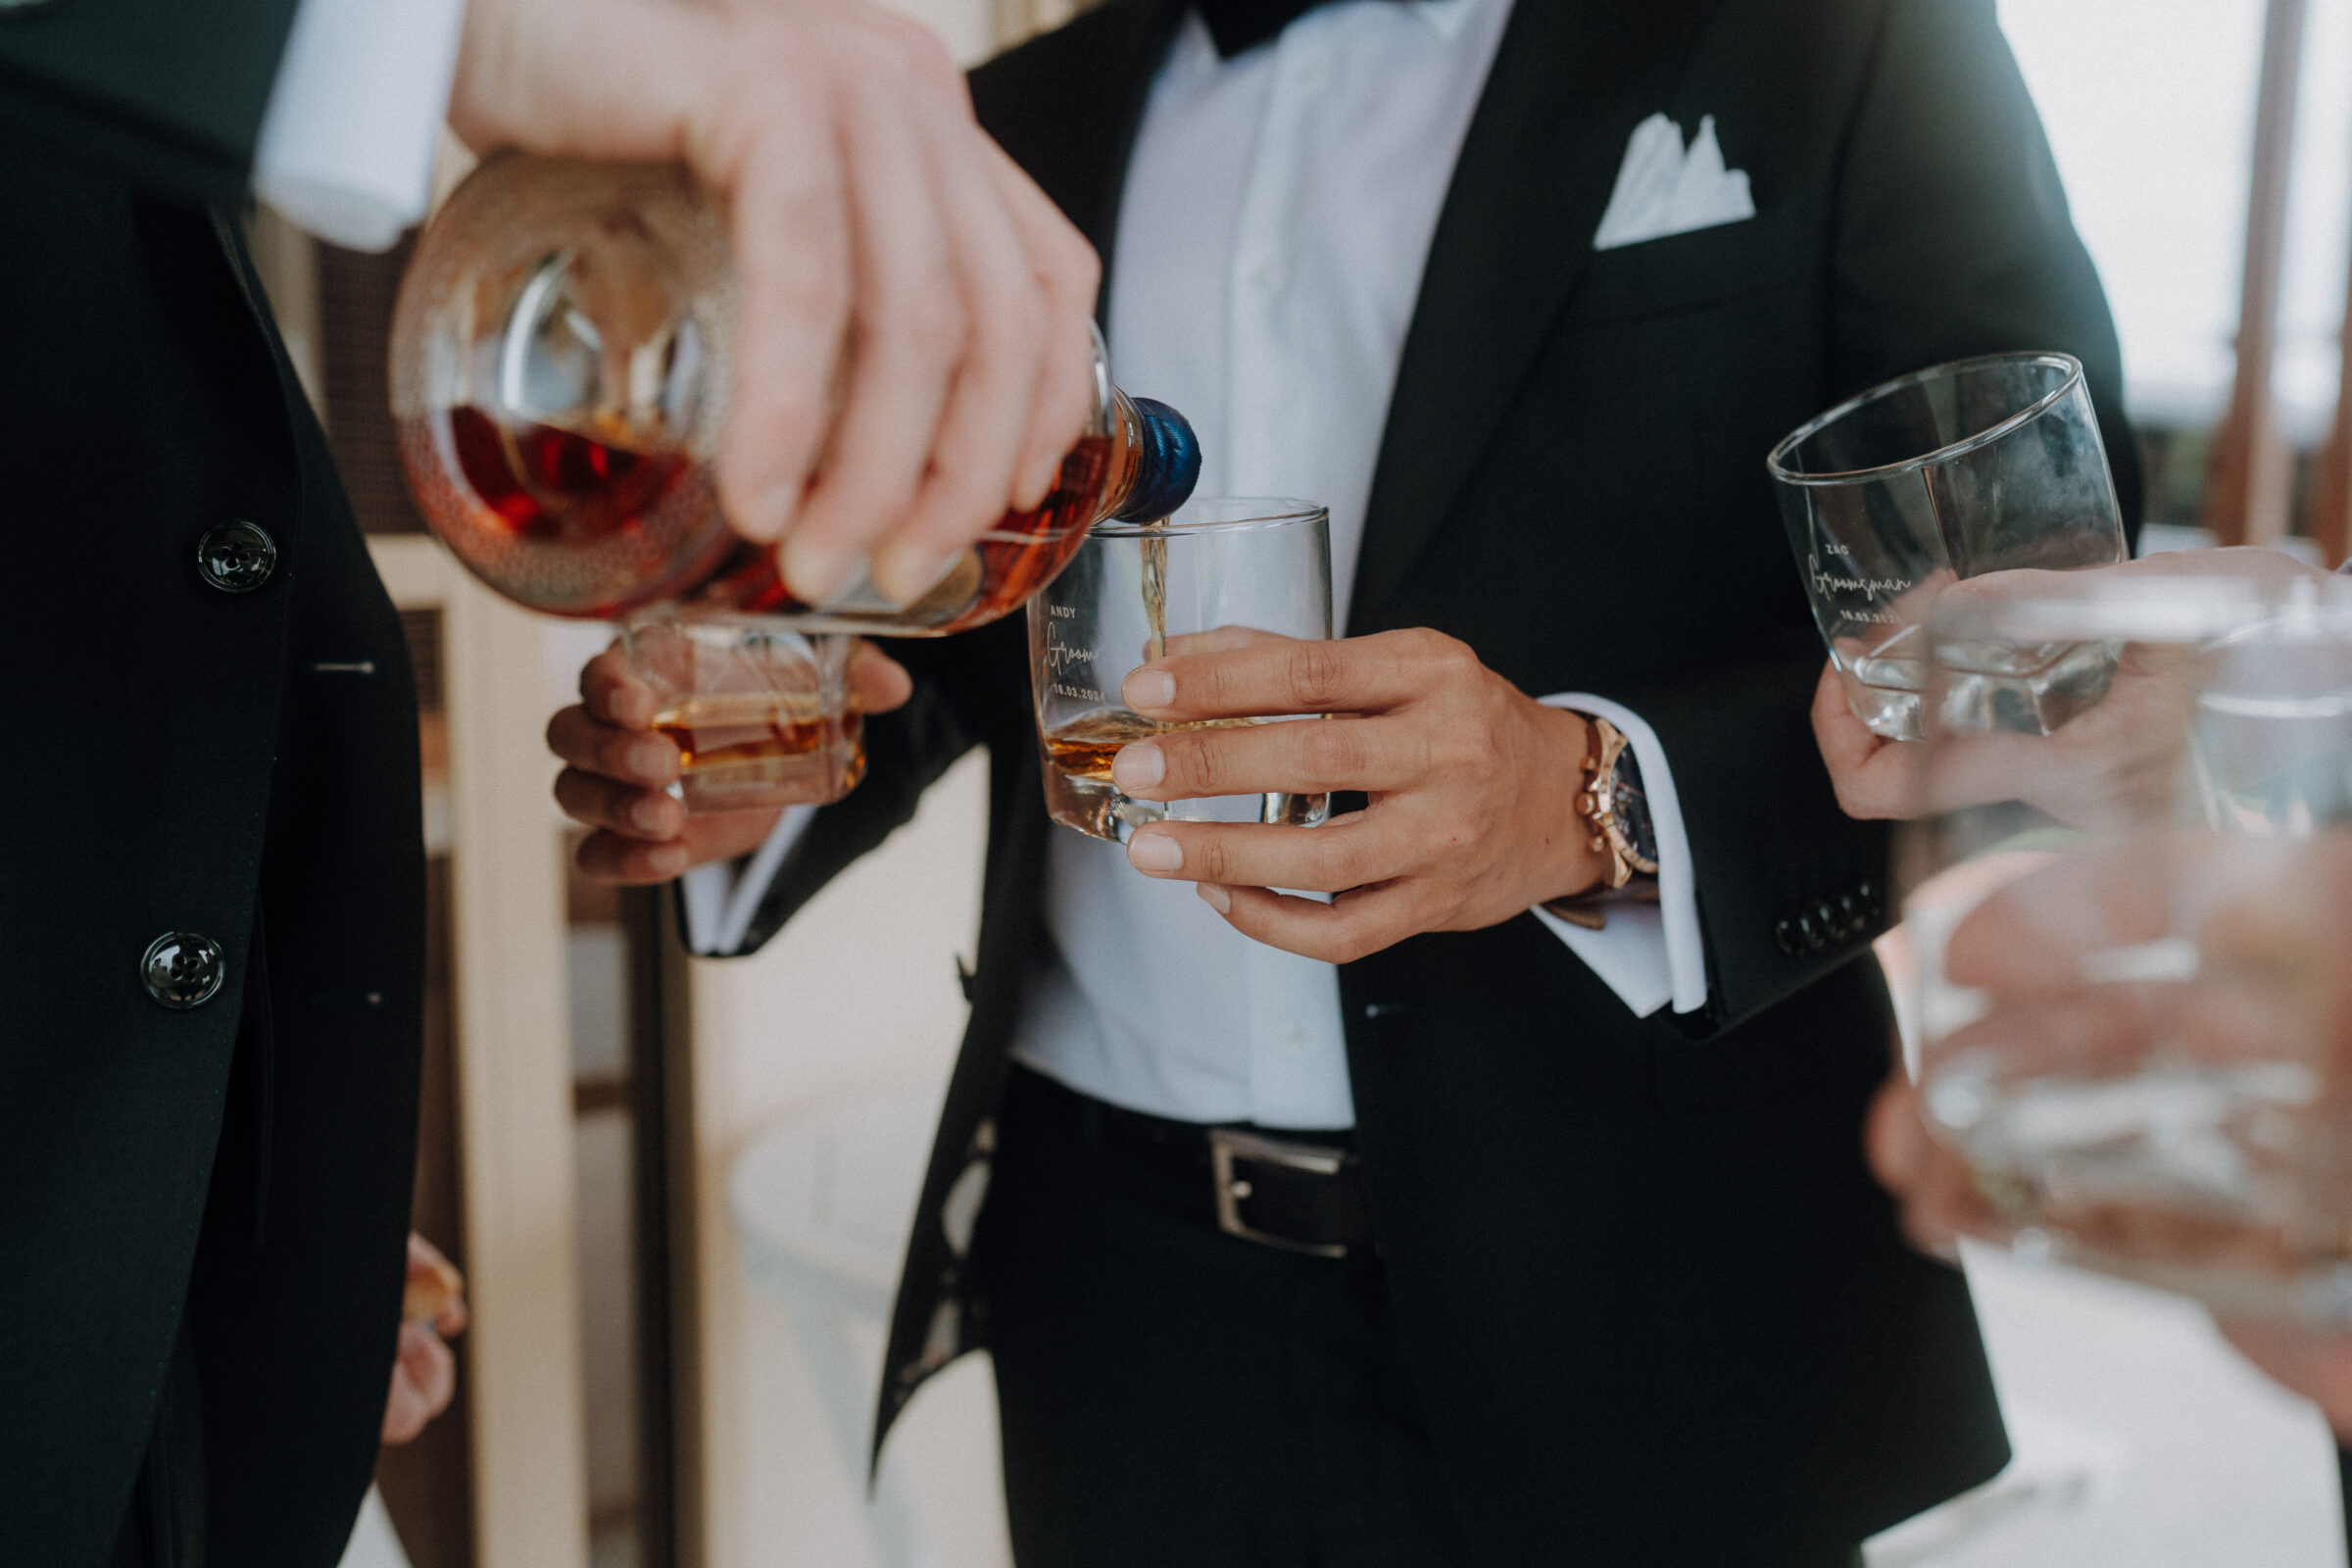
x=1571, y=80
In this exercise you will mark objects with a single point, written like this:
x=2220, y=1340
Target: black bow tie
x=1239, y=24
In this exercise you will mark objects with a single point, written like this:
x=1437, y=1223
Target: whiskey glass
x=1980, y=466
x=761, y=715
x=1221, y=572
x=2131, y=936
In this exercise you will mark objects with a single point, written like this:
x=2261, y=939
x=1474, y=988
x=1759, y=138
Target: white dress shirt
x=347, y=143
x=1277, y=213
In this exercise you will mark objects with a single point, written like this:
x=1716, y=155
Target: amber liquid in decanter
x=562, y=357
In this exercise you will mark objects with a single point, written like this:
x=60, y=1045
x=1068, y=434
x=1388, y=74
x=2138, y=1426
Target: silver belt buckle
x=1225, y=1143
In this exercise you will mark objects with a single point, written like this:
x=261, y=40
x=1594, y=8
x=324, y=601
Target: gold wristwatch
x=1616, y=813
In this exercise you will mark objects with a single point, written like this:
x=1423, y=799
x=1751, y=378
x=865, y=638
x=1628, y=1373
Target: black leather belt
x=1302, y=1193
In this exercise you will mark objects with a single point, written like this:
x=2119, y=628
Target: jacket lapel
x=1570, y=82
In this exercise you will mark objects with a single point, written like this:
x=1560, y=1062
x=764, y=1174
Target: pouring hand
x=871, y=216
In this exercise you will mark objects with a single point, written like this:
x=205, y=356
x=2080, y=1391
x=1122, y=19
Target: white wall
x=861, y=986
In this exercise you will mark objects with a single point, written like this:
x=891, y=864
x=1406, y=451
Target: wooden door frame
x=514, y=1064
x=2250, y=486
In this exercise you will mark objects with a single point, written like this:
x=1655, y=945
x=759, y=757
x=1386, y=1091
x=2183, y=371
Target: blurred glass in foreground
x=2133, y=932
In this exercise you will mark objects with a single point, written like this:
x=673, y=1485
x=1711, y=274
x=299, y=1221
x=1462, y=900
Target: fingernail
x=1138, y=767
x=652, y=758
x=651, y=815
x=1149, y=688
x=812, y=571
x=668, y=860
x=907, y=572
x=1156, y=852
x=1216, y=898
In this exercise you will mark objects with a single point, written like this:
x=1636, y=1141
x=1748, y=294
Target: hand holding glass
x=1220, y=572
x=1981, y=466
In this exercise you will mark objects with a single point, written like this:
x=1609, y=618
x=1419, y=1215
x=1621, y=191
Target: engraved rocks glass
x=1222, y=572
x=1979, y=465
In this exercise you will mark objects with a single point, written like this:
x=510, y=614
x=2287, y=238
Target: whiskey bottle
x=562, y=356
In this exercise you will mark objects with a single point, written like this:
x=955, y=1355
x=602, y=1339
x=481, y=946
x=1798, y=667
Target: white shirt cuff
x=347, y=143
x=721, y=898
x=1648, y=954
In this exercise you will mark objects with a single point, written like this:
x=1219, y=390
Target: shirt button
x=184, y=970
x=1270, y=274
x=1290, y=1037
x=236, y=557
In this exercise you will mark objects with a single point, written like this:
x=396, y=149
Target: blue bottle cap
x=1169, y=467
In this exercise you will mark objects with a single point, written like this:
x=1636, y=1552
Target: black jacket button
x=1784, y=932
x=184, y=970
x=236, y=557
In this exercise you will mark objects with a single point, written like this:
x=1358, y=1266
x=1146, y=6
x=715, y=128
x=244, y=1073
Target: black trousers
x=1175, y=1398
x=1174, y=1395
x=164, y=1527
x=2343, y=1469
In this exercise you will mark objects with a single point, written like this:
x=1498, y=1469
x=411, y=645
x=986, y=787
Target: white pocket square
x=1665, y=189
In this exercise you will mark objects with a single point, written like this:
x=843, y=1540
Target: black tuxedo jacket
x=180, y=762
x=1659, y=1309
x=159, y=91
